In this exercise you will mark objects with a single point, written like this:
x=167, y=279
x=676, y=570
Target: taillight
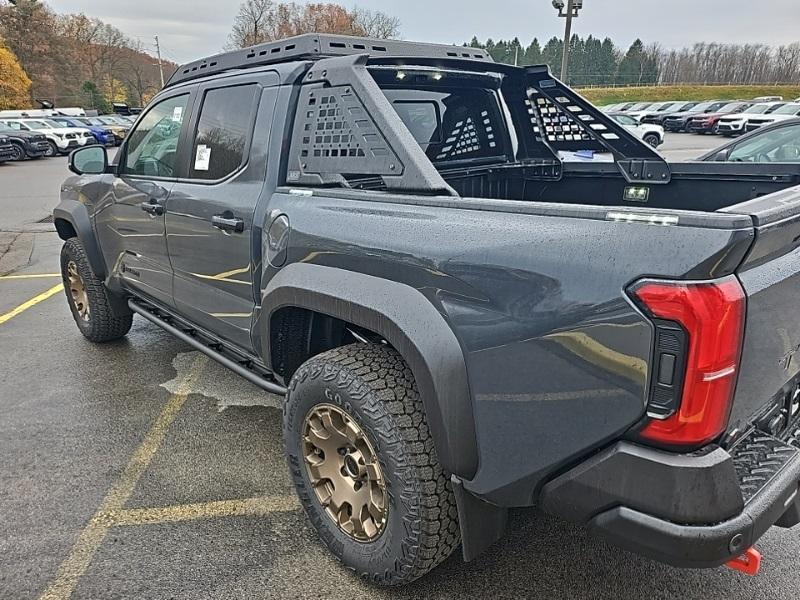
x=712, y=316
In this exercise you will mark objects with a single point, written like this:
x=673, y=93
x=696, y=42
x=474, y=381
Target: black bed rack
x=314, y=46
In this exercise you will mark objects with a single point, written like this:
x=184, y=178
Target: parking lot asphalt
x=142, y=470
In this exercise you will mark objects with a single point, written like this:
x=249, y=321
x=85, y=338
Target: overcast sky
x=190, y=29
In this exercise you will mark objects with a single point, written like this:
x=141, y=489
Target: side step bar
x=214, y=349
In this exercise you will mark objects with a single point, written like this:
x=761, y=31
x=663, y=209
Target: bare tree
x=261, y=21
x=376, y=24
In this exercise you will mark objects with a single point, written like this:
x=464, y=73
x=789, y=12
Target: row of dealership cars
x=722, y=117
x=23, y=138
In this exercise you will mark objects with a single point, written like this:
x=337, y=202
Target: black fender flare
x=76, y=215
x=412, y=325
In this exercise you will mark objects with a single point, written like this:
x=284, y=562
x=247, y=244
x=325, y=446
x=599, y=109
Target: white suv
x=652, y=134
x=61, y=140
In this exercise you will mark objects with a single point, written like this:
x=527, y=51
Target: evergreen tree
x=552, y=53
x=632, y=67
x=533, y=53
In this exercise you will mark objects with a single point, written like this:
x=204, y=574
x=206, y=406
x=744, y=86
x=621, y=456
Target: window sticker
x=177, y=114
x=202, y=158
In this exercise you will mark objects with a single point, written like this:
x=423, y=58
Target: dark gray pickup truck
x=461, y=321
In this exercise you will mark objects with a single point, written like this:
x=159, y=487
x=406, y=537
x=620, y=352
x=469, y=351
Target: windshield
x=666, y=106
x=107, y=121
x=758, y=109
x=789, y=109
x=702, y=107
x=40, y=125
x=641, y=106
x=54, y=124
x=733, y=108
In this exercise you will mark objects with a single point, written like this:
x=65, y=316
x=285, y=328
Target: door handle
x=225, y=223
x=152, y=207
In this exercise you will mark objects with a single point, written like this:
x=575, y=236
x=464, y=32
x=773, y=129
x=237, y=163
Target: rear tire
x=88, y=298
x=374, y=389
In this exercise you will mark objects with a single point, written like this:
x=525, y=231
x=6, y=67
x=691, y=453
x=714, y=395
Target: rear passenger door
x=211, y=233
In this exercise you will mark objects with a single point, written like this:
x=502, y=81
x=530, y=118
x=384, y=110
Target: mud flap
x=481, y=523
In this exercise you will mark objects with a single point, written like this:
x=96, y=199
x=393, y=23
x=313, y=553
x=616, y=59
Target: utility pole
x=572, y=8
x=160, y=64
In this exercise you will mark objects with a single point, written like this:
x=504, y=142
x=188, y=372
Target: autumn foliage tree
x=261, y=21
x=15, y=85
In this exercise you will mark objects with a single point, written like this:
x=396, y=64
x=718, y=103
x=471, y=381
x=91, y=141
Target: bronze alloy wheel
x=345, y=472
x=77, y=291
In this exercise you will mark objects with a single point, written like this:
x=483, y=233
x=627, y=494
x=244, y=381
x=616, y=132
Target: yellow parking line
x=32, y=302
x=95, y=532
x=262, y=505
x=31, y=276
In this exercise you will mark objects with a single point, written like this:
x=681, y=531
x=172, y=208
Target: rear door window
x=223, y=131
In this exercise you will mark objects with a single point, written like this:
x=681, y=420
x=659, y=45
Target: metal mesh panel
x=338, y=136
x=560, y=124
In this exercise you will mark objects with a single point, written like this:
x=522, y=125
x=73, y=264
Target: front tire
x=88, y=298
x=19, y=152
x=52, y=149
x=652, y=139
x=363, y=398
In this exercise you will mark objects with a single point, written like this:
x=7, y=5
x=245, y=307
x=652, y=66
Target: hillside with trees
x=76, y=60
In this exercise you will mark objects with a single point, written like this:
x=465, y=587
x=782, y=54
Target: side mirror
x=722, y=155
x=90, y=160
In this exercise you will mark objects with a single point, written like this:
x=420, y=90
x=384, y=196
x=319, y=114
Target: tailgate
x=770, y=275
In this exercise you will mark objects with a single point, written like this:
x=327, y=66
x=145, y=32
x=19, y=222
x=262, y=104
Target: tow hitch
x=748, y=563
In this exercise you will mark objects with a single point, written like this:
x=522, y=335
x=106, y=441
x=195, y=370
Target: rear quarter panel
x=557, y=356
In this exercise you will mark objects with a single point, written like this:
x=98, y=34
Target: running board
x=209, y=346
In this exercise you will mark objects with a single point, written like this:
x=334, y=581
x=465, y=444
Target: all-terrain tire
x=375, y=387
x=102, y=324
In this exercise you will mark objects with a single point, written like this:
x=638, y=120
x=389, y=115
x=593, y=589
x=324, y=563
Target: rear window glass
x=452, y=124
x=222, y=132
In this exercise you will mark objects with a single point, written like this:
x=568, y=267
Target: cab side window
x=220, y=142
x=152, y=147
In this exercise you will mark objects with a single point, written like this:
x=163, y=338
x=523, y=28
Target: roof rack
x=314, y=46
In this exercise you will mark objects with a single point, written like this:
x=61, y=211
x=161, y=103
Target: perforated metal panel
x=338, y=136
x=559, y=123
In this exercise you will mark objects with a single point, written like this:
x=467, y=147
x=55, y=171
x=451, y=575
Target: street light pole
x=568, y=9
x=161, y=65
x=567, y=37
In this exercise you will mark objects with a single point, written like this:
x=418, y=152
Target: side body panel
x=557, y=357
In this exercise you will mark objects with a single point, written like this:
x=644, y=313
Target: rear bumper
x=689, y=510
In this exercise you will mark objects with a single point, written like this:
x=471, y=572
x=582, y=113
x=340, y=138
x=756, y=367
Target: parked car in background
x=652, y=134
x=60, y=140
x=776, y=143
x=737, y=124
x=118, y=127
x=6, y=149
x=657, y=117
x=784, y=113
x=707, y=122
x=25, y=144
x=679, y=121
x=102, y=134
x=653, y=108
